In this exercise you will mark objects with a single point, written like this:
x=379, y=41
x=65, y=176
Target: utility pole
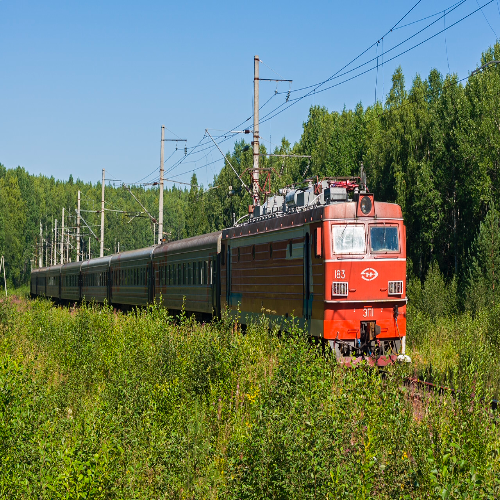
x=51, y=250
x=101, y=254
x=89, y=247
x=62, y=238
x=255, y=143
x=78, y=230
x=160, y=208
x=40, y=255
x=46, y=250
x=55, y=243
x=160, y=212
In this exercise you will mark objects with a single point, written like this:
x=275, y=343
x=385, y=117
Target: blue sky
x=87, y=85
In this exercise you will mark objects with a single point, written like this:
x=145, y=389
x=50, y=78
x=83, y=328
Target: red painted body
x=368, y=297
x=259, y=272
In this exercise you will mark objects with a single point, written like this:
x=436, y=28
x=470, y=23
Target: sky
x=86, y=86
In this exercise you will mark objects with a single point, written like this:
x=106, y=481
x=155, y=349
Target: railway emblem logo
x=369, y=274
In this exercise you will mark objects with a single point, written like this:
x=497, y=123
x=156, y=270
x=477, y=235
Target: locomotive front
x=365, y=280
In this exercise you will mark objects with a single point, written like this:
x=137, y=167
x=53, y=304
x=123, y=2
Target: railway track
x=439, y=389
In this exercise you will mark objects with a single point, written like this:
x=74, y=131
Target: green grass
x=97, y=404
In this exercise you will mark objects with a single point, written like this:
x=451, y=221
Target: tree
x=13, y=213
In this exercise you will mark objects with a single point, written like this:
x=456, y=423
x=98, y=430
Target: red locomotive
x=329, y=255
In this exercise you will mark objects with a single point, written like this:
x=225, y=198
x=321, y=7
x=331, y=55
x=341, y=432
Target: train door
x=228, y=275
x=109, y=283
x=216, y=284
x=150, y=282
x=307, y=278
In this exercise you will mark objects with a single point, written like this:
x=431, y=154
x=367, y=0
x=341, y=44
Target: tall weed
x=99, y=404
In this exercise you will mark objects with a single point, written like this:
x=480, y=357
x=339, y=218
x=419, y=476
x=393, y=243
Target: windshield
x=349, y=239
x=384, y=239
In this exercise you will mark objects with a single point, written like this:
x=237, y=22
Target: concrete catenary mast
x=62, y=237
x=101, y=253
x=160, y=209
x=255, y=143
x=78, y=230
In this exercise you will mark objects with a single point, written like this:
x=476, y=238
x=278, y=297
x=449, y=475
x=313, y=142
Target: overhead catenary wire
x=427, y=17
x=340, y=74
x=397, y=55
x=388, y=60
x=202, y=145
x=155, y=170
x=193, y=170
x=319, y=84
x=227, y=136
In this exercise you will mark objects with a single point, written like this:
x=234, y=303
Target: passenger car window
x=384, y=238
x=349, y=238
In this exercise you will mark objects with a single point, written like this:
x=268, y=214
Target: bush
x=99, y=404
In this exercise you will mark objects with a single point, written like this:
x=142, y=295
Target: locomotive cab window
x=384, y=239
x=349, y=238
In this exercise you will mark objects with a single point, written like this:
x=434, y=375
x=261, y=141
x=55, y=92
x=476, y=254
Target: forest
x=97, y=403
x=433, y=148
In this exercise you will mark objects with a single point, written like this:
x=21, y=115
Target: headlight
x=366, y=205
x=340, y=289
x=395, y=287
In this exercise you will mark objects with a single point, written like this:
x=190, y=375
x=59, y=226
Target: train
x=326, y=256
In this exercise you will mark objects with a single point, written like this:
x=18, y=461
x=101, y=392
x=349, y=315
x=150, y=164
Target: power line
x=427, y=17
x=197, y=168
x=373, y=67
x=211, y=148
x=317, y=85
x=282, y=107
x=139, y=181
x=338, y=74
x=278, y=109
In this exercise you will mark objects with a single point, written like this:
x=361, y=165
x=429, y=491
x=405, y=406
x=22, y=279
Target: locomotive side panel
x=264, y=272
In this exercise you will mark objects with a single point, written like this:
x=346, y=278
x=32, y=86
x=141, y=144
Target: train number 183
x=339, y=274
